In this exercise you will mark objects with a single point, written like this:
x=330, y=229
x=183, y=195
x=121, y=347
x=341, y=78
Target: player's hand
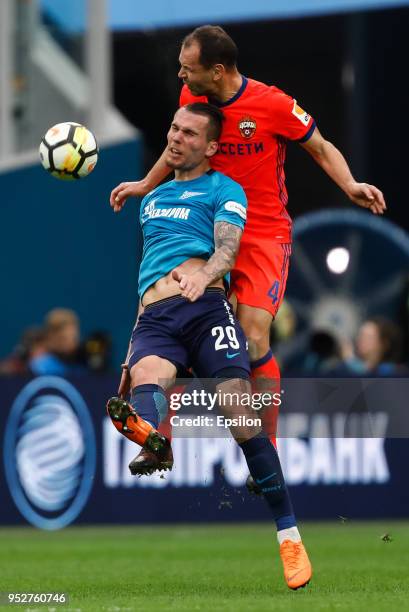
x=367, y=196
x=125, y=384
x=122, y=192
x=193, y=285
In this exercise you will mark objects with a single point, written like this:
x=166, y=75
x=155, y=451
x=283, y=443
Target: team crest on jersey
x=247, y=127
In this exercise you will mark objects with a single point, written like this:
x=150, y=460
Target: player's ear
x=218, y=72
x=212, y=147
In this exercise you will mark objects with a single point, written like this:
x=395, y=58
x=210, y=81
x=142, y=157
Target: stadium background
x=62, y=247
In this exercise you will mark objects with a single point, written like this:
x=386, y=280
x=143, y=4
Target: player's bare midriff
x=167, y=286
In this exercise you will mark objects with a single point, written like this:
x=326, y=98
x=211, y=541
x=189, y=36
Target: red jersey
x=259, y=119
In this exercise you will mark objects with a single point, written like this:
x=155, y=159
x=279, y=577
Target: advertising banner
x=64, y=462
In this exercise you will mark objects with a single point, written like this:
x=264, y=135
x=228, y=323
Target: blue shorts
x=204, y=335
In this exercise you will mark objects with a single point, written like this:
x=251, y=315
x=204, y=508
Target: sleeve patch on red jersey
x=300, y=113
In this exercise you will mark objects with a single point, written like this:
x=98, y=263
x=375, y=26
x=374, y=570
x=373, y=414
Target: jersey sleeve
x=187, y=98
x=231, y=204
x=288, y=118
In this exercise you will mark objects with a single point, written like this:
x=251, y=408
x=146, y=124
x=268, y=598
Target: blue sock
x=150, y=403
x=265, y=468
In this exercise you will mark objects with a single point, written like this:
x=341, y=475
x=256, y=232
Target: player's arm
x=227, y=241
x=122, y=192
x=334, y=164
x=125, y=383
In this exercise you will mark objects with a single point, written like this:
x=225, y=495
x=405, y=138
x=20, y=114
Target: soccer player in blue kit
x=192, y=227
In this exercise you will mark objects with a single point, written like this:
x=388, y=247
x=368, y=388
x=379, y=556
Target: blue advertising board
x=63, y=462
x=66, y=248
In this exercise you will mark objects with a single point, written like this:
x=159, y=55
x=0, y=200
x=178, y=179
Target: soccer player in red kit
x=259, y=120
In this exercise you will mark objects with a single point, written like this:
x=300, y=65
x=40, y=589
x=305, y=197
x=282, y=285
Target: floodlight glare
x=338, y=260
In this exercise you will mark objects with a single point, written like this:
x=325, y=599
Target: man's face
x=188, y=143
x=199, y=80
x=368, y=342
x=64, y=340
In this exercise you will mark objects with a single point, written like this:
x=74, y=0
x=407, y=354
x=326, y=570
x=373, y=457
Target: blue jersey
x=178, y=220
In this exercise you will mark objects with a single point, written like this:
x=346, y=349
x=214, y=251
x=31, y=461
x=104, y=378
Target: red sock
x=265, y=376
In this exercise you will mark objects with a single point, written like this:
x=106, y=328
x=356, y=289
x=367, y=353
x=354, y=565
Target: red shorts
x=260, y=274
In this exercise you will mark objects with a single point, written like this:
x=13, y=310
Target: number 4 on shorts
x=273, y=291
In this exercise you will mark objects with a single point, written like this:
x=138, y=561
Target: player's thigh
x=260, y=274
x=155, y=351
x=153, y=370
x=217, y=340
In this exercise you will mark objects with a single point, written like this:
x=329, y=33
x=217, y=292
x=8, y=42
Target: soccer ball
x=69, y=151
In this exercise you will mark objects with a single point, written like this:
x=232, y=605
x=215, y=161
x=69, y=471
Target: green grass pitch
x=219, y=567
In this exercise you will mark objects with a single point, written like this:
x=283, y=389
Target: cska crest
x=247, y=127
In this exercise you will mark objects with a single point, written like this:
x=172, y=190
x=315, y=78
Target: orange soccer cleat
x=296, y=564
x=133, y=427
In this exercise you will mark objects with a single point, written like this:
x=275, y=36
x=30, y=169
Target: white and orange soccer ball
x=69, y=151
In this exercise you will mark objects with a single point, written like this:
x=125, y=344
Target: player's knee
x=232, y=389
x=256, y=325
x=152, y=370
x=258, y=337
x=258, y=346
x=234, y=400
x=140, y=375
x=257, y=334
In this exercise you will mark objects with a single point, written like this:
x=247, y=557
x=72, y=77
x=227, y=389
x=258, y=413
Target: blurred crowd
x=379, y=348
x=55, y=348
